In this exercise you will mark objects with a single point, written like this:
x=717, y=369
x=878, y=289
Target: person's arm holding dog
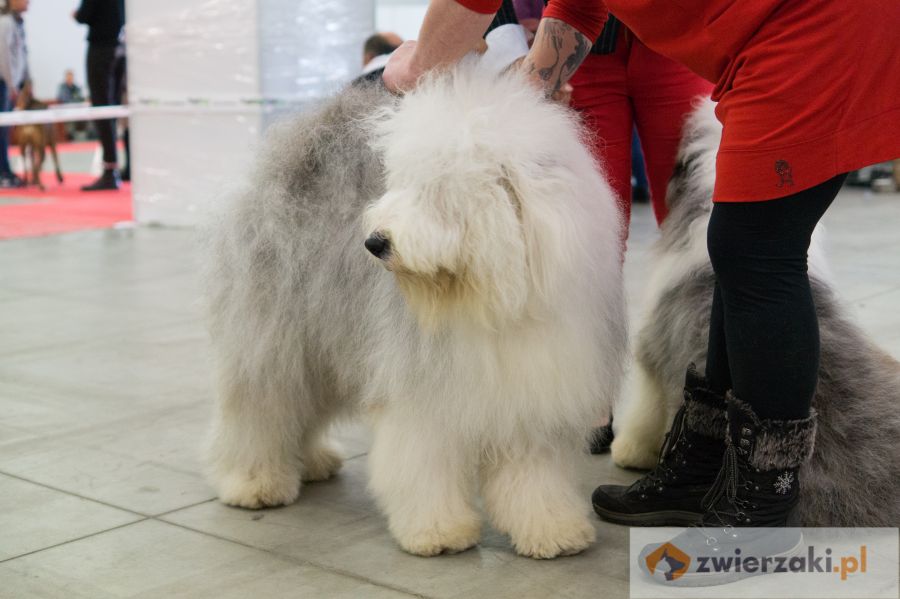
x=453, y=27
x=450, y=30
x=562, y=41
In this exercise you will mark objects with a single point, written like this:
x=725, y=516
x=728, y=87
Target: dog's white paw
x=261, y=489
x=321, y=463
x=554, y=537
x=440, y=539
x=630, y=452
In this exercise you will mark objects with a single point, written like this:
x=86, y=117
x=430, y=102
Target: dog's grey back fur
x=853, y=477
x=306, y=198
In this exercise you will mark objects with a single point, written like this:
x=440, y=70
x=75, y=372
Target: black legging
x=764, y=334
x=100, y=63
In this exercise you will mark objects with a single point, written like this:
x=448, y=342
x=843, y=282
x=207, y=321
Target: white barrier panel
x=205, y=76
x=187, y=158
x=62, y=115
x=180, y=49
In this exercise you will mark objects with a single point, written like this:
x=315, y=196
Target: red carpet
x=30, y=212
x=68, y=146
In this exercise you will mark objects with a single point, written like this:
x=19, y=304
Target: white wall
x=403, y=17
x=206, y=76
x=55, y=43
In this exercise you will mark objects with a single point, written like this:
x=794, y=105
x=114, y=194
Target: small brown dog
x=34, y=139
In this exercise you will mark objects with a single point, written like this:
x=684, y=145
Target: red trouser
x=636, y=86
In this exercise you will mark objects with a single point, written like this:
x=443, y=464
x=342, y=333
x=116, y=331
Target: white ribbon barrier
x=62, y=115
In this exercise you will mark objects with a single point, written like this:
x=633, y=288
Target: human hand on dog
x=404, y=67
x=449, y=31
x=402, y=71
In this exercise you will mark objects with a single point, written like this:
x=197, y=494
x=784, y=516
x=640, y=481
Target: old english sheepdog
x=447, y=263
x=853, y=477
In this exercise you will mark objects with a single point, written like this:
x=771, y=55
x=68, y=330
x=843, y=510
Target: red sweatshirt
x=806, y=89
x=704, y=35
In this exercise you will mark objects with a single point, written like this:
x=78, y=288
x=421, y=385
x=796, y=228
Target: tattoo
x=556, y=38
x=582, y=47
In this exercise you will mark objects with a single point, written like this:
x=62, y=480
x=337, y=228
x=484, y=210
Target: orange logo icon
x=675, y=561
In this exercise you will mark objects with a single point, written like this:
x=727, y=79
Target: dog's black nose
x=379, y=246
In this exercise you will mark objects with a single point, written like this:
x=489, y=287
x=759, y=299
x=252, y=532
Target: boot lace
x=745, y=504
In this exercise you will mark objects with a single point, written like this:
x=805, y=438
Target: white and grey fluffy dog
x=483, y=341
x=853, y=476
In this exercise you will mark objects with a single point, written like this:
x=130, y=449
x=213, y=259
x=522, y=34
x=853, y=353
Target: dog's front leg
x=422, y=477
x=531, y=494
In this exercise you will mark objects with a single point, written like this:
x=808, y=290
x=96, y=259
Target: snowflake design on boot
x=783, y=483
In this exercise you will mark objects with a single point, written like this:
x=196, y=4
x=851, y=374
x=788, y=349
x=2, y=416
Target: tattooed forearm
x=582, y=47
x=546, y=73
x=556, y=54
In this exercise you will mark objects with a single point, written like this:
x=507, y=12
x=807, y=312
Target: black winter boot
x=107, y=181
x=671, y=494
x=752, y=501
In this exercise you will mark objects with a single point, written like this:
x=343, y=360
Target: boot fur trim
x=705, y=409
x=780, y=444
x=705, y=419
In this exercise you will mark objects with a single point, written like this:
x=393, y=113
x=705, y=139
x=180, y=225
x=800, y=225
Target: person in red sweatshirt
x=621, y=89
x=804, y=95
x=623, y=85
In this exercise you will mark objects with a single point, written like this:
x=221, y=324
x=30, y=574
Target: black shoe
x=640, y=195
x=10, y=181
x=672, y=493
x=126, y=173
x=107, y=181
x=601, y=438
x=759, y=482
x=752, y=501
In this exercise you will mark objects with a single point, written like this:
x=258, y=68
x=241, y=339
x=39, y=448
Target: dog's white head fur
x=488, y=193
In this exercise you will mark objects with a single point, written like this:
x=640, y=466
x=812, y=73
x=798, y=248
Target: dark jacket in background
x=104, y=19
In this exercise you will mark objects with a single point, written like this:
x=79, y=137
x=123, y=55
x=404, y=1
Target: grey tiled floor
x=105, y=395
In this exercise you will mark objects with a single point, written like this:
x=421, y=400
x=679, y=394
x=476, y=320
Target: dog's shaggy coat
x=483, y=343
x=853, y=476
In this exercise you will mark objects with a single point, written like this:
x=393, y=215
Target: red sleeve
x=587, y=16
x=485, y=7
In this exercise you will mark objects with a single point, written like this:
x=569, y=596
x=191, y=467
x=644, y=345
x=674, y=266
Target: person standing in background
x=623, y=85
x=104, y=19
x=624, y=90
x=13, y=74
x=120, y=93
x=376, y=51
x=69, y=91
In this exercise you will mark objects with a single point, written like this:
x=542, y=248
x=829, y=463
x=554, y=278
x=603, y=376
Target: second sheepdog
x=853, y=475
x=483, y=339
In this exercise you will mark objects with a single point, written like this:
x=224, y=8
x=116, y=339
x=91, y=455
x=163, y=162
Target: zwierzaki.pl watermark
x=795, y=563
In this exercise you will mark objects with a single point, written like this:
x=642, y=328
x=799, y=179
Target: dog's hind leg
x=37, y=164
x=643, y=419
x=321, y=458
x=424, y=481
x=23, y=156
x=531, y=494
x=253, y=455
x=59, y=175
